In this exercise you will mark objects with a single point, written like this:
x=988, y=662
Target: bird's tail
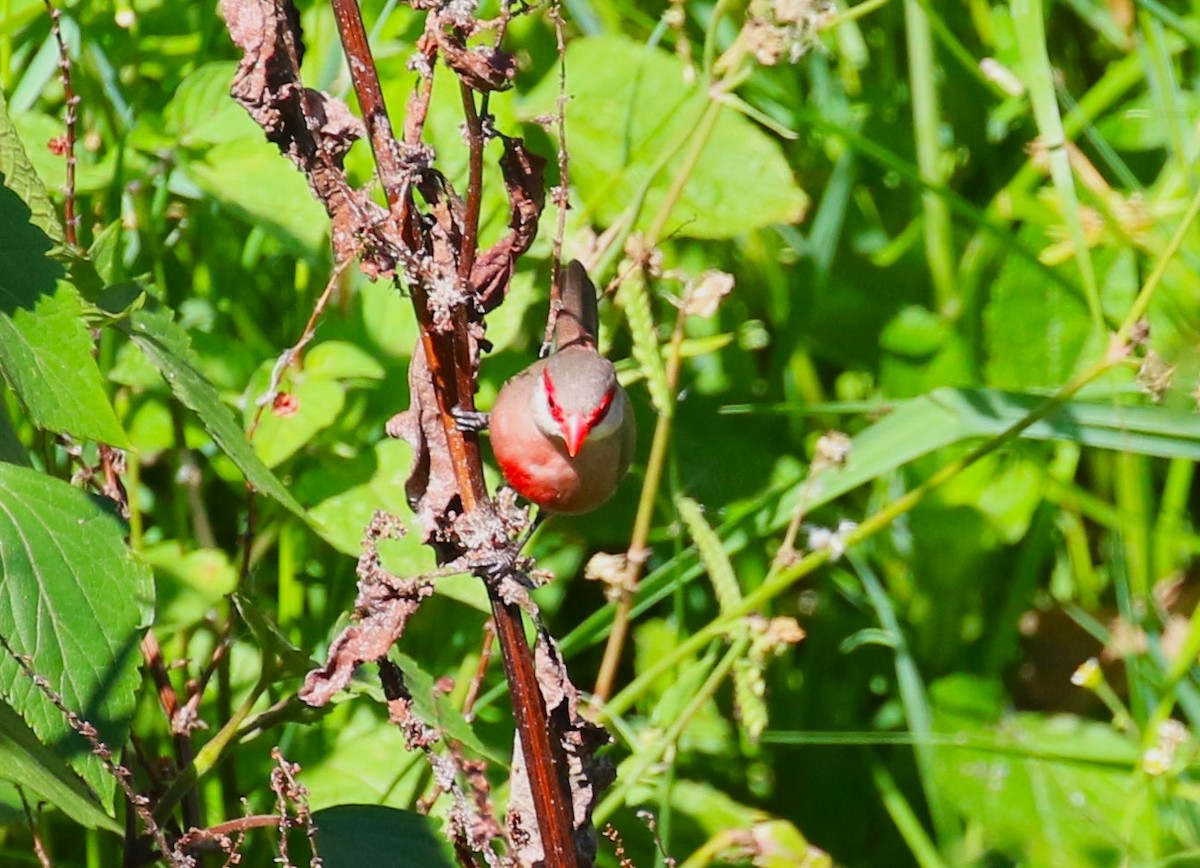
x=578, y=319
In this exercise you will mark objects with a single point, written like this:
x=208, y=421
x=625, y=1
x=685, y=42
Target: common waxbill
x=563, y=429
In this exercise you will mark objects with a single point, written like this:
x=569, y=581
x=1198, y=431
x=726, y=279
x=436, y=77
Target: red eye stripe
x=555, y=411
x=599, y=412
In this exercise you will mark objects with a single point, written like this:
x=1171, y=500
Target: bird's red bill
x=574, y=430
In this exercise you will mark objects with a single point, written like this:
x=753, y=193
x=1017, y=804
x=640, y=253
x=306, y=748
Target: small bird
x=563, y=429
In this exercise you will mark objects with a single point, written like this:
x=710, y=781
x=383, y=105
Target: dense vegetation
x=911, y=519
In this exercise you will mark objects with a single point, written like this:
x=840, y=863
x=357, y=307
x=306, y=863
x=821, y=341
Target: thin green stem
x=855, y=12
x=209, y=755
x=907, y=822
x=700, y=137
x=710, y=35
x=636, y=557
x=771, y=588
x=1030, y=29
x=1142, y=303
x=634, y=770
x=927, y=124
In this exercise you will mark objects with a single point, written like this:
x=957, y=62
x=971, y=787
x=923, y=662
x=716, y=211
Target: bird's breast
x=537, y=465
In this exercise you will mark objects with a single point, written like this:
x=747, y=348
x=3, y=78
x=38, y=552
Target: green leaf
x=201, y=111
x=435, y=708
x=350, y=836
x=18, y=174
x=91, y=174
x=1035, y=329
x=26, y=761
x=359, y=757
x=288, y=660
x=253, y=180
x=317, y=403
x=1044, y=790
x=11, y=449
x=347, y=493
x=632, y=106
x=189, y=583
x=946, y=416
x=1138, y=126
x=341, y=360
x=74, y=600
x=167, y=346
x=45, y=350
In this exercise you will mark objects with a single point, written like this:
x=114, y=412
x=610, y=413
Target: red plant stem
x=72, y=103
x=548, y=780
x=474, y=184
x=449, y=366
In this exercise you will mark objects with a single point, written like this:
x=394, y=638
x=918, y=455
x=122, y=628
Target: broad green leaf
x=37, y=129
x=1043, y=789
x=631, y=107
x=1035, y=329
x=103, y=252
x=253, y=180
x=45, y=350
x=314, y=404
x=350, y=836
x=168, y=348
x=1139, y=126
x=201, y=112
x=74, y=600
x=360, y=757
x=341, y=360
x=288, y=660
x=435, y=708
x=188, y=583
x=26, y=761
x=344, y=496
x=19, y=175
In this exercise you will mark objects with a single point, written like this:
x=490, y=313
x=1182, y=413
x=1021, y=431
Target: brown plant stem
x=35, y=830
x=450, y=367
x=181, y=736
x=485, y=660
x=72, y=104
x=470, y=237
x=562, y=193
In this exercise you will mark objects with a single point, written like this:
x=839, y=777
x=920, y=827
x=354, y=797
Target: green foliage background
x=936, y=217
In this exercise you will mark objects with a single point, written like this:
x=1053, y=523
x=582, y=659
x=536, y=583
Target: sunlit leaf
x=73, y=599
x=630, y=106
x=45, y=349
x=167, y=347
x=26, y=761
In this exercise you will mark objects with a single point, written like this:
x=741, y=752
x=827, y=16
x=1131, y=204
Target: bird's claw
x=470, y=421
x=506, y=565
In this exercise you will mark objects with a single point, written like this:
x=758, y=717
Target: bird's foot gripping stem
x=508, y=562
x=470, y=421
